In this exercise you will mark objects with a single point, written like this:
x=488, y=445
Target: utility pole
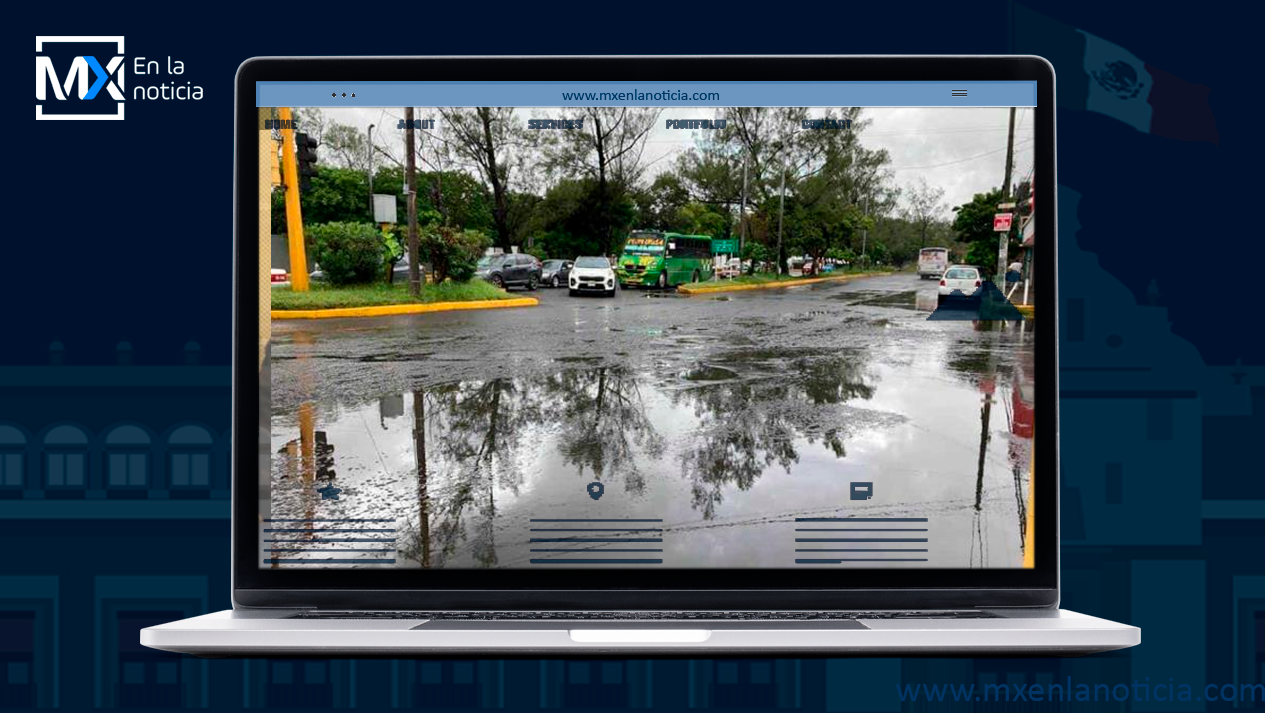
x=865, y=229
x=294, y=214
x=414, y=273
x=1003, y=238
x=371, y=216
x=781, y=203
x=742, y=215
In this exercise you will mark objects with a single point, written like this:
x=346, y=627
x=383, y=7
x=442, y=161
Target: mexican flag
x=1096, y=75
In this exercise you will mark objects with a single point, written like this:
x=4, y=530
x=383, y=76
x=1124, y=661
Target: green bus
x=656, y=259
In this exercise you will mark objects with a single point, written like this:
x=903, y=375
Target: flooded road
x=732, y=430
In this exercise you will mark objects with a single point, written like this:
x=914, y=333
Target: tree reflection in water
x=747, y=423
x=469, y=441
x=476, y=432
x=472, y=439
x=603, y=425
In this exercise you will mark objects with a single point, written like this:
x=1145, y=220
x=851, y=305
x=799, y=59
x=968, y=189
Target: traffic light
x=305, y=154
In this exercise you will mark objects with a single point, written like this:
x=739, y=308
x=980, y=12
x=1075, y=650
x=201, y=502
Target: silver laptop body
x=840, y=465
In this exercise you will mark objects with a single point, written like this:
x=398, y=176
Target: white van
x=932, y=262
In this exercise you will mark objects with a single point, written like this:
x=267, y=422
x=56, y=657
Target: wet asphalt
x=729, y=422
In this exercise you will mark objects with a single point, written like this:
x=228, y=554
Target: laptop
x=678, y=355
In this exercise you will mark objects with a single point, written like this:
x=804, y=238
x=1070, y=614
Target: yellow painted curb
x=389, y=310
x=709, y=289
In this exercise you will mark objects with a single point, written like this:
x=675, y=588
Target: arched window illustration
x=190, y=459
x=65, y=458
x=127, y=458
x=12, y=457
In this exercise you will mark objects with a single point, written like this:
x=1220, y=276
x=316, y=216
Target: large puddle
x=746, y=457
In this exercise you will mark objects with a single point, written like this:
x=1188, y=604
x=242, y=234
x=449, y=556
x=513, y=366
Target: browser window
x=686, y=325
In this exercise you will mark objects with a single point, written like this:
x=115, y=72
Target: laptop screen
x=552, y=325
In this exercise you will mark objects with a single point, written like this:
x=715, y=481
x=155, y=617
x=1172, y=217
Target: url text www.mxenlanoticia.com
x=640, y=96
x=1144, y=690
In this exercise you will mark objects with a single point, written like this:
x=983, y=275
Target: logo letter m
x=45, y=74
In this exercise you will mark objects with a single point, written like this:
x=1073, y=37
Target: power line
x=960, y=160
x=947, y=130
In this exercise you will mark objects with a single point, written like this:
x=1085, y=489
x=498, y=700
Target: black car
x=554, y=272
x=510, y=270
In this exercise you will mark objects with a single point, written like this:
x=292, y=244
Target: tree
x=573, y=220
x=826, y=175
x=336, y=195
x=606, y=149
x=877, y=253
x=485, y=137
x=311, y=121
x=700, y=219
x=659, y=205
x=344, y=146
x=924, y=206
x=756, y=253
x=974, y=226
x=460, y=199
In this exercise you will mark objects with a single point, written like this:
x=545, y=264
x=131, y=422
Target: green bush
x=392, y=247
x=756, y=253
x=537, y=250
x=392, y=251
x=349, y=253
x=453, y=253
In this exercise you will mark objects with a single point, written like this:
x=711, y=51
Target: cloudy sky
x=961, y=150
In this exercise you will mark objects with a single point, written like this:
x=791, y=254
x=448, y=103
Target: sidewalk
x=1016, y=299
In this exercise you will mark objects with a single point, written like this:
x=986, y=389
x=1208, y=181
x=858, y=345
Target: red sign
x=1001, y=222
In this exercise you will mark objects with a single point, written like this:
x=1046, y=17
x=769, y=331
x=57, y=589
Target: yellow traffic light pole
x=294, y=216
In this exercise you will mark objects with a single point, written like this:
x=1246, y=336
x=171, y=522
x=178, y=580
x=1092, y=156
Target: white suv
x=592, y=274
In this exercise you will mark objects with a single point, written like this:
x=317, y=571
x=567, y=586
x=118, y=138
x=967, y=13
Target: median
x=329, y=302
x=768, y=281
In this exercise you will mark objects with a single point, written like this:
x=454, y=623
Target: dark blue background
x=123, y=232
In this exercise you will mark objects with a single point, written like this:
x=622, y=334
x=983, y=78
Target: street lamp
x=371, y=171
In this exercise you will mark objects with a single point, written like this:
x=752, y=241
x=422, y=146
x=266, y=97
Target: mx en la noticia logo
x=85, y=79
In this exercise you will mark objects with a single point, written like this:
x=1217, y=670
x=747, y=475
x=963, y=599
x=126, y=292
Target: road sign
x=724, y=246
x=1005, y=206
x=1001, y=222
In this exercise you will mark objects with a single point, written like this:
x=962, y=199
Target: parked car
x=962, y=279
x=554, y=273
x=729, y=268
x=280, y=278
x=510, y=270
x=592, y=274
x=800, y=266
x=399, y=272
